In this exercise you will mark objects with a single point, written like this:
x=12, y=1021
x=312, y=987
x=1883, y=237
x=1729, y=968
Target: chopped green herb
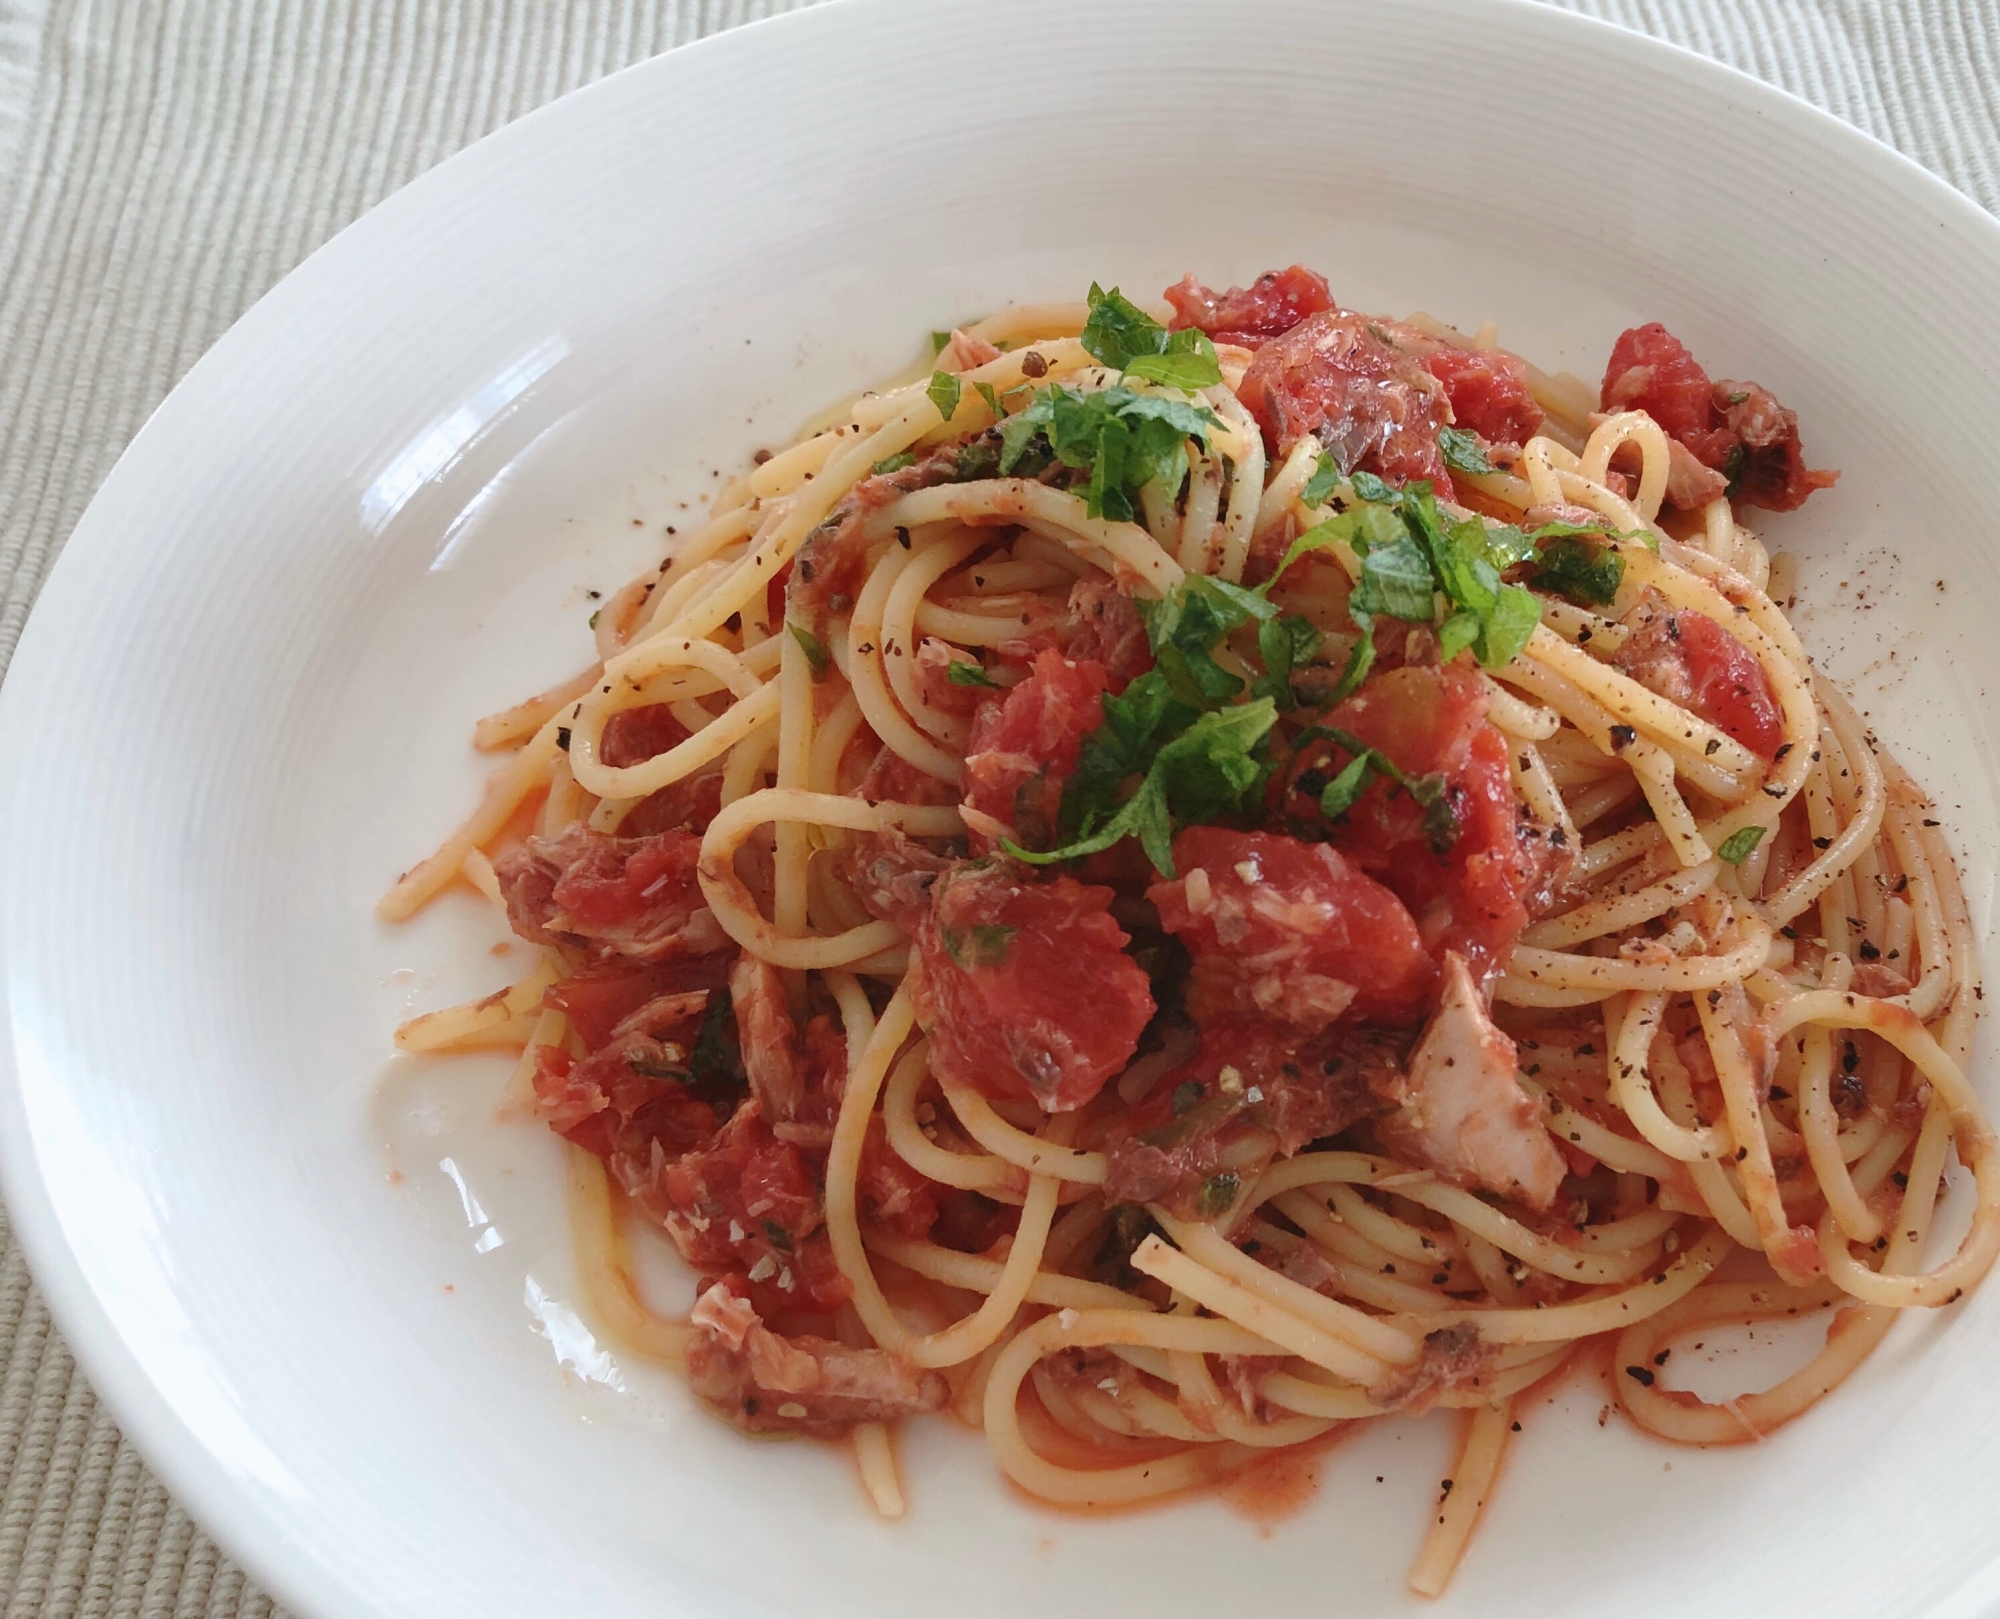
x=1738, y=397
x=1285, y=644
x=1217, y=1193
x=1188, y=363
x=1118, y=330
x=594, y=617
x=1410, y=553
x=984, y=945
x=1462, y=452
x=1124, y=439
x=1736, y=848
x=938, y=341
x=815, y=650
x=1121, y=334
x=969, y=674
x=1210, y=767
x=1457, y=633
x=717, y=1057
x=1440, y=823
x=1396, y=579
x=1324, y=480
x=1584, y=571
x=1509, y=624
x=986, y=391
x=944, y=389
x=894, y=463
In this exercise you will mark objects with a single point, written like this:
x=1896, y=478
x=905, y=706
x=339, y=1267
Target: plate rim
x=225, y=1506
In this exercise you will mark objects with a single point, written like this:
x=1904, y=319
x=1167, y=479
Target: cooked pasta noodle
x=1135, y=892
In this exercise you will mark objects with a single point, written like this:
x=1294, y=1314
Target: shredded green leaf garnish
x=1324, y=480
x=1124, y=439
x=894, y=463
x=815, y=650
x=717, y=1056
x=938, y=341
x=1737, y=847
x=1208, y=768
x=1121, y=334
x=1461, y=451
x=1285, y=644
x=1217, y=1193
x=1585, y=571
x=944, y=389
x=1338, y=796
x=969, y=674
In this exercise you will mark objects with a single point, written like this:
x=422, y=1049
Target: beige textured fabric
x=162, y=162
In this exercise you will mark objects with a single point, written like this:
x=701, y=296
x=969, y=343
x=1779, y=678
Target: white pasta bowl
x=332, y=1300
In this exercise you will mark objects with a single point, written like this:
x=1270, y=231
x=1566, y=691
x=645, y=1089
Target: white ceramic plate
x=329, y=1298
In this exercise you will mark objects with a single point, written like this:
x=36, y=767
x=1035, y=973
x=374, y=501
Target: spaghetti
x=1174, y=885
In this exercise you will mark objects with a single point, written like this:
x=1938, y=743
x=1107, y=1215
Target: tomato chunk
x=1247, y=1073
x=1489, y=393
x=598, y=997
x=749, y=1203
x=1691, y=660
x=1469, y=881
x=1247, y=316
x=1025, y=987
x=1024, y=745
x=1289, y=931
x=1736, y=429
x=632, y=897
x=634, y=735
x=1345, y=377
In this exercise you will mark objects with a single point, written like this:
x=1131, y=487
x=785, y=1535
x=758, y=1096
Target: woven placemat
x=163, y=162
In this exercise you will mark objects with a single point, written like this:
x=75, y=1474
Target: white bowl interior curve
x=333, y=1297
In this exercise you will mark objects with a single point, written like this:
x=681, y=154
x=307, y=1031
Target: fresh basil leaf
x=944, y=389
x=1284, y=644
x=894, y=463
x=938, y=342
x=1217, y=1193
x=1583, y=571
x=1507, y=545
x=1512, y=620
x=1396, y=579
x=1360, y=660
x=1188, y=362
x=815, y=650
x=1119, y=331
x=717, y=1056
x=1737, y=847
x=1324, y=480
x=1370, y=488
x=1125, y=440
x=1195, y=678
x=1338, y=796
x=1457, y=633
x=1440, y=822
x=1210, y=767
x=969, y=674
x=986, y=391
x=1461, y=451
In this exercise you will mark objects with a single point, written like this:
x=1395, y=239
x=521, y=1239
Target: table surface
x=163, y=162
